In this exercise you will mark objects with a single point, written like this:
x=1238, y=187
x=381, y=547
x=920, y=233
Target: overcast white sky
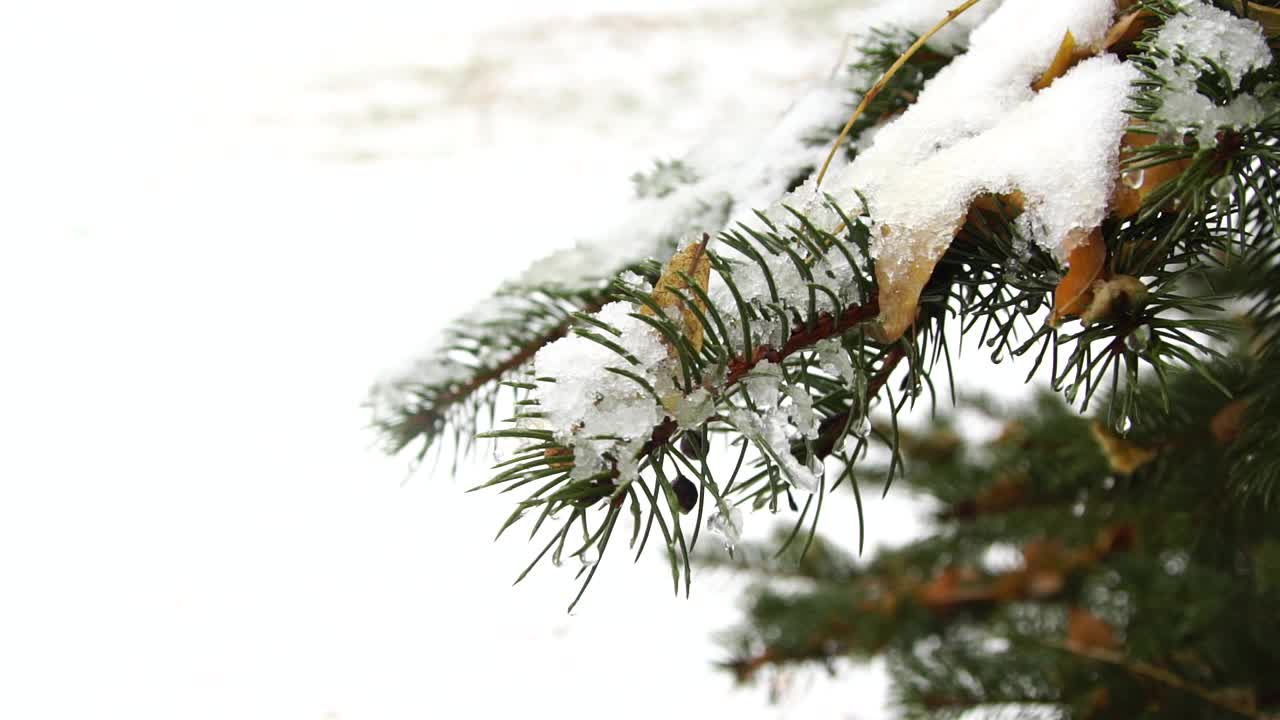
x=220, y=222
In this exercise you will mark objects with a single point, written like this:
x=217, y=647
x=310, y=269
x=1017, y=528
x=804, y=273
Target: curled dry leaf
x=1122, y=36
x=1067, y=56
x=1086, y=261
x=1086, y=631
x=941, y=591
x=1117, y=538
x=1267, y=17
x=694, y=263
x=1115, y=297
x=1123, y=456
x=903, y=278
x=1229, y=421
x=901, y=284
x=1119, y=39
x=1008, y=204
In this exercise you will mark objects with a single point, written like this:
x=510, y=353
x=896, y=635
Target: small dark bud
x=686, y=493
x=694, y=444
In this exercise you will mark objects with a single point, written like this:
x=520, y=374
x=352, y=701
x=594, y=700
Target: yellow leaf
x=1123, y=456
x=1062, y=62
x=1114, y=297
x=693, y=262
x=901, y=279
x=1267, y=17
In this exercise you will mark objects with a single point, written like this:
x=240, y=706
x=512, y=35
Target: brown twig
x=1165, y=677
x=826, y=326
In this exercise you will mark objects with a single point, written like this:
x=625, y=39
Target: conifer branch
x=888, y=596
x=1165, y=677
x=421, y=420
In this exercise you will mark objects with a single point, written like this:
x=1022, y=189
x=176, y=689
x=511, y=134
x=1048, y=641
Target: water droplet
x=861, y=427
x=1224, y=187
x=589, y=557
x=817, y=467
x=1126, y=424
x=1108, y=482
x=1078, y=509
x=727, y=526
x=1133, y=179
x=1139, y=340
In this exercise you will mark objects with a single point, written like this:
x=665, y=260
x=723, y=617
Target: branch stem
x=1164, y=677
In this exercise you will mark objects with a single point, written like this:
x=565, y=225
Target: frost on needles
x=1033, y=154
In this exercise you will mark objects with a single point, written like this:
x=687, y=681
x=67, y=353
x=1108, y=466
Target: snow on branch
x=1064, y=154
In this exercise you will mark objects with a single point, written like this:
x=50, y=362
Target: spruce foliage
x=1109, y=554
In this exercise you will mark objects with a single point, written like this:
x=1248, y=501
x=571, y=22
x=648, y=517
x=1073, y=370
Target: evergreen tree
x=1087, y=183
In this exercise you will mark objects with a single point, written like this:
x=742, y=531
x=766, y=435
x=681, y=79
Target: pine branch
x=421, y=421
x=880, y=601
x=826, y=326
x=1221, y=699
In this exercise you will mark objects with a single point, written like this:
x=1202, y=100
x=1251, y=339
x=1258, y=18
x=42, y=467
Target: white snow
x=746, y=165
x=596, y=411
x=1236, y=45
x=979, y=127
x=731, y=177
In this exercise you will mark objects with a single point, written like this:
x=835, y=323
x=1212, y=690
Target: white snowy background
x=219, y=222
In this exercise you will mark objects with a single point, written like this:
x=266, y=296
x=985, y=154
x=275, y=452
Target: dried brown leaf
x=694, y=262
x=1086, y=259
x=1121, y=37
x=1086, y=631
x=1115, y=297
x=1065, y=58
x=1123, y=456
x=1229, y=421
x=902, y=278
